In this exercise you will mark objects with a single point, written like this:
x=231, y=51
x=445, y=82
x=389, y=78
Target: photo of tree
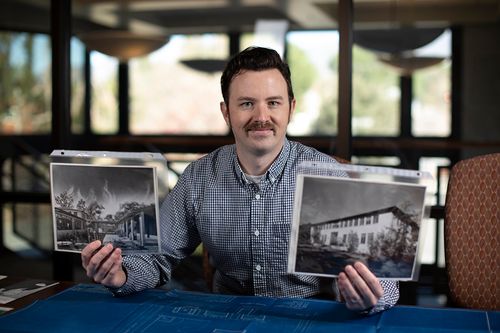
x=345, y=220
x=115, y=204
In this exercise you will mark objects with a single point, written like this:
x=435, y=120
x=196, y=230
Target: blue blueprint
x=91, y=308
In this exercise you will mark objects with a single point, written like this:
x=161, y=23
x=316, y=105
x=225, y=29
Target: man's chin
x=262, y=147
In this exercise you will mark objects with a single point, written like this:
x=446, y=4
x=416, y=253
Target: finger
x=97, y=259
x=117, y=263
x=88, y=251
x=352, y=298
x=370, y=279
x=105, y=266
x=115, y=276
x=359, y=284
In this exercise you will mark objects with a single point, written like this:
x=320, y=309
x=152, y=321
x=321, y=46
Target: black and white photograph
x=340, y=220
x=115, y=204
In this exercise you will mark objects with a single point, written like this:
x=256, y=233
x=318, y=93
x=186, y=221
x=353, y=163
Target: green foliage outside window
x=26, y=84
x=375, y=96
x=375, y=91
x=24, y=94
x=303, y=74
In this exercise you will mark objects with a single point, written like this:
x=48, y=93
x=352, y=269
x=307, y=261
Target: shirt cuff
x=128, y=286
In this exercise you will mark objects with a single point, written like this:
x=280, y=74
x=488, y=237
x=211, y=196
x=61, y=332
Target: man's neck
x=256, y=165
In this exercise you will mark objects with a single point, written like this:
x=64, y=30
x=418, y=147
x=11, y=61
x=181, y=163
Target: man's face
x=258, y=111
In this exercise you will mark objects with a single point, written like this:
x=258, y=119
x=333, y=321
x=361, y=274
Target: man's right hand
x=104, y=265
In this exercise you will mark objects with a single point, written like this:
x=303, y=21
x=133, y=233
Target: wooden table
x=28, y=299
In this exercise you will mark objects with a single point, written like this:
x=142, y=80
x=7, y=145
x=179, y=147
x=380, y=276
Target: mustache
x=259, y=125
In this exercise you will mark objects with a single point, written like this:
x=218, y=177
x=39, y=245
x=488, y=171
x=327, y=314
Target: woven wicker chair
x=472, y=242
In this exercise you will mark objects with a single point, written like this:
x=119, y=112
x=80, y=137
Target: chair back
x=472, y=244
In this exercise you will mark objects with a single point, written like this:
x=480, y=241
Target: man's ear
x=225, y=113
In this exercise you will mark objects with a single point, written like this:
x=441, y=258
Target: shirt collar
x=274, y=171
x=277, y=167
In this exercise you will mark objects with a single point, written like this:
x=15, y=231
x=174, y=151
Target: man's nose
x=261, y=112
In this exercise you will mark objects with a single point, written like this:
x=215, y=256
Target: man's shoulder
x=307, y=153
x=221, y=156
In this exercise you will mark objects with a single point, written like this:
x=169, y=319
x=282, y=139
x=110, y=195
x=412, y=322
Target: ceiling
x=192, y=16
x=187, y=16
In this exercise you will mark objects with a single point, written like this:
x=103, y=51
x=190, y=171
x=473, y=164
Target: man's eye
x=274, y=103
x=246, y=104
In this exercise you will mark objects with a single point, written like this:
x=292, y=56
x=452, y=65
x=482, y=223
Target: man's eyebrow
x=270, y=98
x=245, y=98
x=274, y=97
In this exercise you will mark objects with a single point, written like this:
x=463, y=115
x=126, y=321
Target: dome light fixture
x=122, y=44
x=406, y=65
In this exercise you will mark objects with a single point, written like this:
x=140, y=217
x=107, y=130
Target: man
x=238, y=201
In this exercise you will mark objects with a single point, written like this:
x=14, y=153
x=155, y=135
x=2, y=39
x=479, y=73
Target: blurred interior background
x=423, y=76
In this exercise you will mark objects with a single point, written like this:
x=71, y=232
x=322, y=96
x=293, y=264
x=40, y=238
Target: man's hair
x=254, y=59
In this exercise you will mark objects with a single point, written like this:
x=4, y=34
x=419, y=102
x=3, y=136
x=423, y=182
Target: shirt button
x=256, y=233
x=258, y=267
x=257, y=196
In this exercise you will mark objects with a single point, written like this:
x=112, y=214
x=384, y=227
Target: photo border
x=298, y=206
x=129, y=166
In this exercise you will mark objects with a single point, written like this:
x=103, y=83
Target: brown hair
x=254, y=59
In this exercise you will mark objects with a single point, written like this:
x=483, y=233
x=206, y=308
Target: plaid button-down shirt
x=244, y=226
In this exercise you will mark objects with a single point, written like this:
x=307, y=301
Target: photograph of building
x=114, y=204
x=383, y=235
x=341, y=233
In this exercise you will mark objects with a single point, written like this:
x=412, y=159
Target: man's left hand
x=358, y=286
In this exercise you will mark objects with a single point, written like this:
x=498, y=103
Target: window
x=333, y=238
x=25, y=90
x=363, y=238
x=389, y=161
x=104, y=81
x=375, y=95
x=431, y=106
x=28, y=173
x=438, y=168
x=313, y=60
x=177, y=163
x=176, y=90
x=429, y=230
x=77, y=86
x=370, y=238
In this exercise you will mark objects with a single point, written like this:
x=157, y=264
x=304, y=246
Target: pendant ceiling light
x=407, y=65
x=206, y=65
x=122, y=44
x=396, y=40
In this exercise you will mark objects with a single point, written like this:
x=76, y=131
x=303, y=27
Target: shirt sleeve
x=143, y=272
x=390, y=297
